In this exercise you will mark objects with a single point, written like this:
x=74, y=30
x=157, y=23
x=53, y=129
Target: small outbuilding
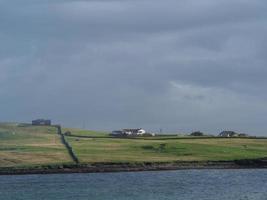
x=117, y=133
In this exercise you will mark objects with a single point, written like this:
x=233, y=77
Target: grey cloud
x=152, y=64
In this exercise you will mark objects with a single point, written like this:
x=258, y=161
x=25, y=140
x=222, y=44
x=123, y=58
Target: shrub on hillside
x=197, y=133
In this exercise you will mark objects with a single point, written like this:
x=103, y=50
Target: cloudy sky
x=107, y=64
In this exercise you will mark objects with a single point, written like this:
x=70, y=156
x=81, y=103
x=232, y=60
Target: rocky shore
x=134, y=167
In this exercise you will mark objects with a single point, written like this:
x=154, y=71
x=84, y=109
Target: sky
x=179, y=66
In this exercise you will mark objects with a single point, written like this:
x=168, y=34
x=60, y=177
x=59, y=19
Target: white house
x=130, y=132
x=138, y=131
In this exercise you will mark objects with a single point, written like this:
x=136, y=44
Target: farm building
x=41, y=122
x=131, y=132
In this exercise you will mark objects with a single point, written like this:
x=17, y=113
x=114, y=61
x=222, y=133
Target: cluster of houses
x=222, y=134
x=131, y=132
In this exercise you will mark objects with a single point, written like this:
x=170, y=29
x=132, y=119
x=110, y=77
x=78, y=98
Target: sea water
x=163, y=185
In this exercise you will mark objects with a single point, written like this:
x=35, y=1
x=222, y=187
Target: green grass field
x=22, y=145
x=166, y=149
x=87, y=133
x=25, y=145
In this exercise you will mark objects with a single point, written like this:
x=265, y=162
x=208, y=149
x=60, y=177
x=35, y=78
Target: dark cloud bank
x=177, y=65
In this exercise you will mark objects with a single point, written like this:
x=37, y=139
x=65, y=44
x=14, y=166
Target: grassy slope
x=134, y=150
x=30, y=145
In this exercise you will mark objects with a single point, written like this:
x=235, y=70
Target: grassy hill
x=24, y=145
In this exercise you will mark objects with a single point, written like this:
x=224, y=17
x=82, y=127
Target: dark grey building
x=41, y=122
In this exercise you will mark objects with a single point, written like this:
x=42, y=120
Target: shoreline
x=136, y=167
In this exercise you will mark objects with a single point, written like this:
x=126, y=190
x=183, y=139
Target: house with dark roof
x=228, y=134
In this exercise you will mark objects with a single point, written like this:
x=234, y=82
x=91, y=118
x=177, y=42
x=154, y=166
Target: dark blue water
x=170, y=185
